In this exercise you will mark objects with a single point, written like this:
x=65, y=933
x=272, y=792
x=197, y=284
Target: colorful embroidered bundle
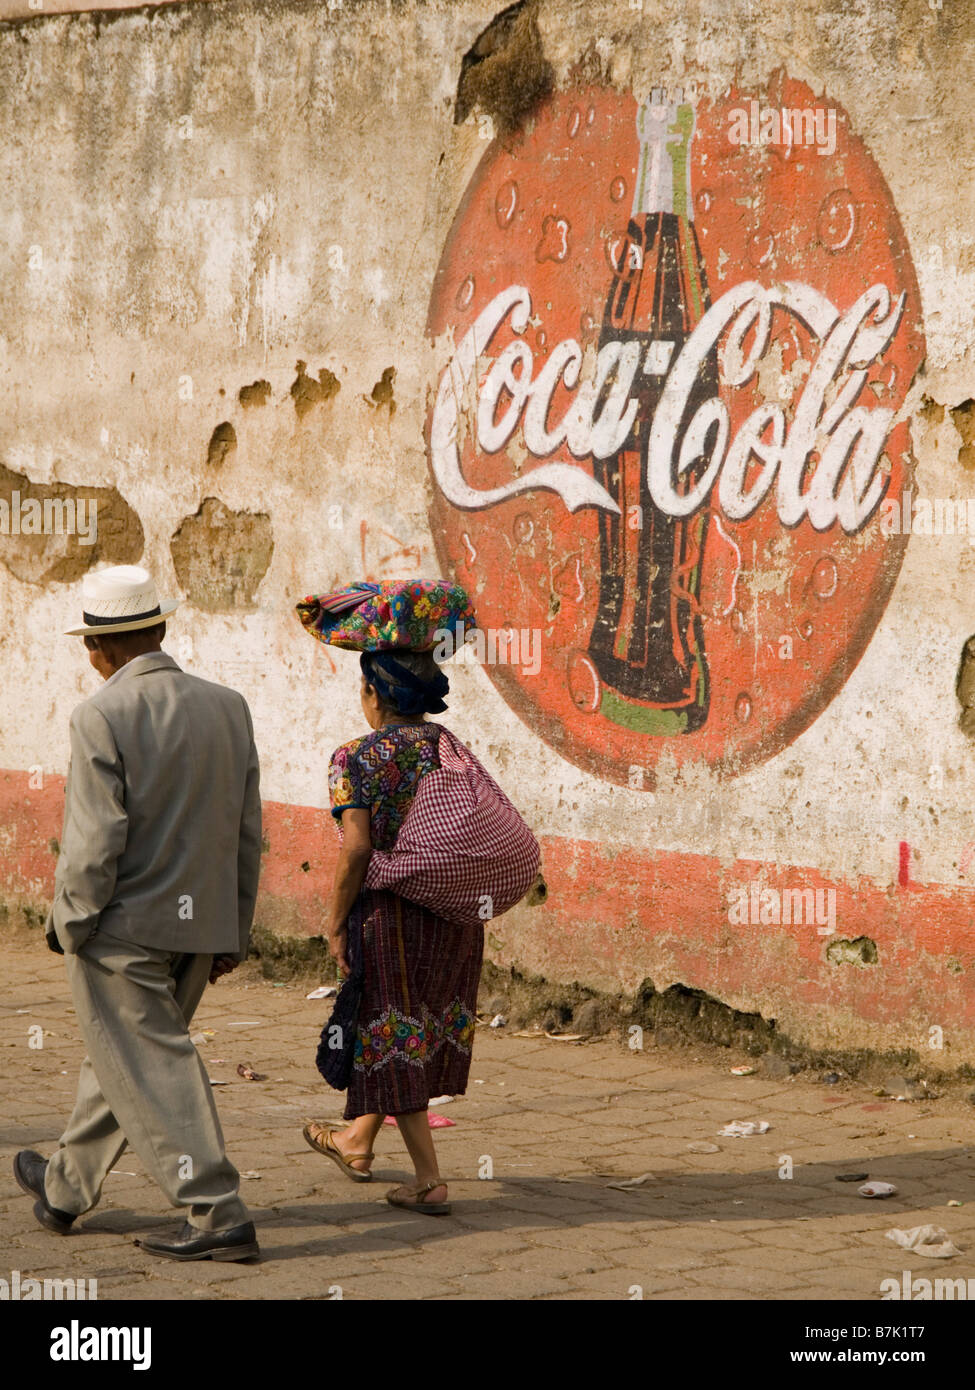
x=415, y=614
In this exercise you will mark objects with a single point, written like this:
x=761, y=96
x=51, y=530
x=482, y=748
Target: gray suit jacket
x=162, y=821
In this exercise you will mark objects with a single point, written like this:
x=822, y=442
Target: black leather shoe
x=237, y=1243
x=29, y=1170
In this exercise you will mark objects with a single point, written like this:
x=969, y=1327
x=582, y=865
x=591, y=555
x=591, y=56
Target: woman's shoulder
x=345, y=752
x=413, y=735
x=404, y=735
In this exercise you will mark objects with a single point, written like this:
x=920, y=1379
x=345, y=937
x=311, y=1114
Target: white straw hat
x=122, y=598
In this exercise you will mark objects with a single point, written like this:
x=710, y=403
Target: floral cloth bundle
x=407, y=613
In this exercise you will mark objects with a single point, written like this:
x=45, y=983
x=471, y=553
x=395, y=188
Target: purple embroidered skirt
x=416, y=1024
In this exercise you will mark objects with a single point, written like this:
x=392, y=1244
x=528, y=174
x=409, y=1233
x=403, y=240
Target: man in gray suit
x=154, y=895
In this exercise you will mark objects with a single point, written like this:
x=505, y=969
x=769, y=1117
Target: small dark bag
x=336, y=1048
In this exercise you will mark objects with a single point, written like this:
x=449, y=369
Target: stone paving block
x=791, y=1262
x=621, y=1283
x=508, y=1220
x=556, y=1103
x=590, y=1237
x=702, y=1295
x=751, y=1278
x=91, y=1243
x=288, y=1244
x=468, y=1258
x=511, y=1284
x=851, y=1283
x=156, y=1291
x=797, y=1238
x=554, y=1262
x=201, y=1273
x=462, y=1296
x=737, y=1092
x=129, y=1284
x=362, y=1243
x=26, y=1235
x=41, y=1264
x=537, y=1206
x=636, y=1113
x=285, y=1279
x=676, y=1260
x=386, y=1288
x=476, y=1249
x=719, y=1241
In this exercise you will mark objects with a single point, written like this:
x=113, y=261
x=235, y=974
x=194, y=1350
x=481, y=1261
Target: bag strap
x=459, y=758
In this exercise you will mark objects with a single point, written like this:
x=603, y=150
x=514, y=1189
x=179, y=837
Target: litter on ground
x=931, y=1241
x=744, y=1129
x=626, y=1184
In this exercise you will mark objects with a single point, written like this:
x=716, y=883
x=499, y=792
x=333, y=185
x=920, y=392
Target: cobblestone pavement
x=556, y=1123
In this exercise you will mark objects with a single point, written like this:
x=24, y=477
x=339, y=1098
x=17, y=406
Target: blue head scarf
x=399, y=688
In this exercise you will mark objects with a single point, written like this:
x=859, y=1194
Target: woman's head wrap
x=400, y=688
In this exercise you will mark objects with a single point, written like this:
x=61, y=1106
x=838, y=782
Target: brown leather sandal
x=427, y=1208
x=321, y=1145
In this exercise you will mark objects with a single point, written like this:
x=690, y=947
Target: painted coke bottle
x=647, y=642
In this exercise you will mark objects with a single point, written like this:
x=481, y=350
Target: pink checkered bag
x=463, y=851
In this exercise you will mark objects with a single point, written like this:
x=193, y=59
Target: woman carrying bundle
x=411, y=993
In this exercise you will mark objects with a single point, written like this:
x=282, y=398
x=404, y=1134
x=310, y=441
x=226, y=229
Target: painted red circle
x=785, y=610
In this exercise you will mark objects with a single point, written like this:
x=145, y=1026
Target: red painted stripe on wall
x=619, y=915
x=294, y=837
x=615, y=902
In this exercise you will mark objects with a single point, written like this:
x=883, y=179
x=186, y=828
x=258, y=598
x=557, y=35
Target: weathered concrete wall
x=241, y=245
x=33, y=9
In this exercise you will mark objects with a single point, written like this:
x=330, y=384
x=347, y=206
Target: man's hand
x=222, y=965
x=338, y=943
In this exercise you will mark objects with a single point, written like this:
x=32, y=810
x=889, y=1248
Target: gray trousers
x=143, y=1083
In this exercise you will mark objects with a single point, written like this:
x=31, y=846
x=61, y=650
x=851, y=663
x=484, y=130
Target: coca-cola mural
x=680, y=334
